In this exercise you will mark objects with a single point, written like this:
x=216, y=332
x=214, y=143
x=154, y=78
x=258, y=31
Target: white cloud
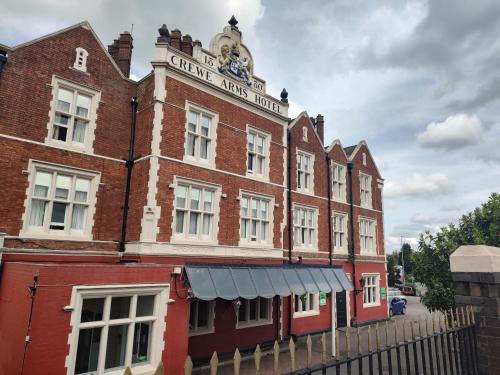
x=455, y=132
x=418, y=185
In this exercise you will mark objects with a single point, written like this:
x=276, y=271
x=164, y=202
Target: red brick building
x=195, y=217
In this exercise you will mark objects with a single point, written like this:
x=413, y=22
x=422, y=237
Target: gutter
x=352, y=256
x=129, y=164
x=289, y=211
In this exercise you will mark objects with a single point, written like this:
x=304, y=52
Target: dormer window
x=81, y=59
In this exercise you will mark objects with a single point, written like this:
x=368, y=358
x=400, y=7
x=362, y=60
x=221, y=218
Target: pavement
x=388, y=334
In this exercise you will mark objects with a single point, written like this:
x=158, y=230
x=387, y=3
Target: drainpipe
x=352, y=256
x=129, y=164
x=32, y=291
x=329, y=195
x=289, y=210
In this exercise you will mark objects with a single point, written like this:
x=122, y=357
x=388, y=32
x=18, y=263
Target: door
x=341, y=309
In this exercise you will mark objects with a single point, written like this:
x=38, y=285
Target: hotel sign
x=241, y=89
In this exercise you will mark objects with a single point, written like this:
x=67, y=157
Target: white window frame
x=161, y=291
x=185, y=237
x=88, y=145
x=310, y=188
x=344, y=248
x=374, y=287
x=308, y=312
x=81, y=59
x=210, y=319
x=270, y=220
x=264, y=176
x=339, y=182
x=362, y=222
x=365, y=189
x=67, y=233
x=256, y=322
x=313, y=246
x=214, y=121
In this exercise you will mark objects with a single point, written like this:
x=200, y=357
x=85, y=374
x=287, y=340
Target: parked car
x=409, y=291
x=396, y=306
x=395, y=292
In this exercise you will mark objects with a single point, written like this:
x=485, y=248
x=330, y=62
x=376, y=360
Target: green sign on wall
x=322, y=298
x=383, y=293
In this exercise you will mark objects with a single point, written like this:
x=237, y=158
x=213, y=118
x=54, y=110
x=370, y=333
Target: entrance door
x=341, y=309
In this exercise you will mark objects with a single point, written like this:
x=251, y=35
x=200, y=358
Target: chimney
x=320, y=127
x=121, y=52
x=3, y=59
x=175, y=39
x=187, y=45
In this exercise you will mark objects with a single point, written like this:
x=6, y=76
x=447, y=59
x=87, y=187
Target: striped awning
x=230, y=282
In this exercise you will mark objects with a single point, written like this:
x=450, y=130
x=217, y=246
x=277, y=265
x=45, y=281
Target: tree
x=390, y=270
x=432, y=260
x=407, y=252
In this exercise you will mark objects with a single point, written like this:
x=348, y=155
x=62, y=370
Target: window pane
x=263, y=233
x=253, y=309
x=60, y=133
x=251, y=142
x=263, y=209
x=180, y=196
x=195, y=198
x=145, y=305
x=193, y=223
x=260, y=145
x=42, y=184
x=203, y=313
x=142, y=342
x=260, y=165
x=244, y=223
x=83, y=105
x=79, y=216
x=117, y=344
x=205, y=126
x=191, y=144
x=88, y=350
x=254, y=207
x=120, y=307
x=254, y=230
x=193, y=120
x=82, y=188
x=311, y=301
x=207, y=224
x=207, y=201
x=64, y=100
x=58, y=216
x=242, y=311
x=92, y=309
x=204, y=148
x=244, y=206
x=179, y=221
x=62, y=119
x=63, y=184
x=79, y=131
x=37, y=213
x=251, y=158
x=264, y=304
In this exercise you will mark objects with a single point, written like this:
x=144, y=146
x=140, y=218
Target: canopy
x=230, y=282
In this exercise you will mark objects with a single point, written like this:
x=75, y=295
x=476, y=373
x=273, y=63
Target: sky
x=419, y=81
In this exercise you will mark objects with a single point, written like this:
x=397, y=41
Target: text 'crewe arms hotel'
x=245, y=90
